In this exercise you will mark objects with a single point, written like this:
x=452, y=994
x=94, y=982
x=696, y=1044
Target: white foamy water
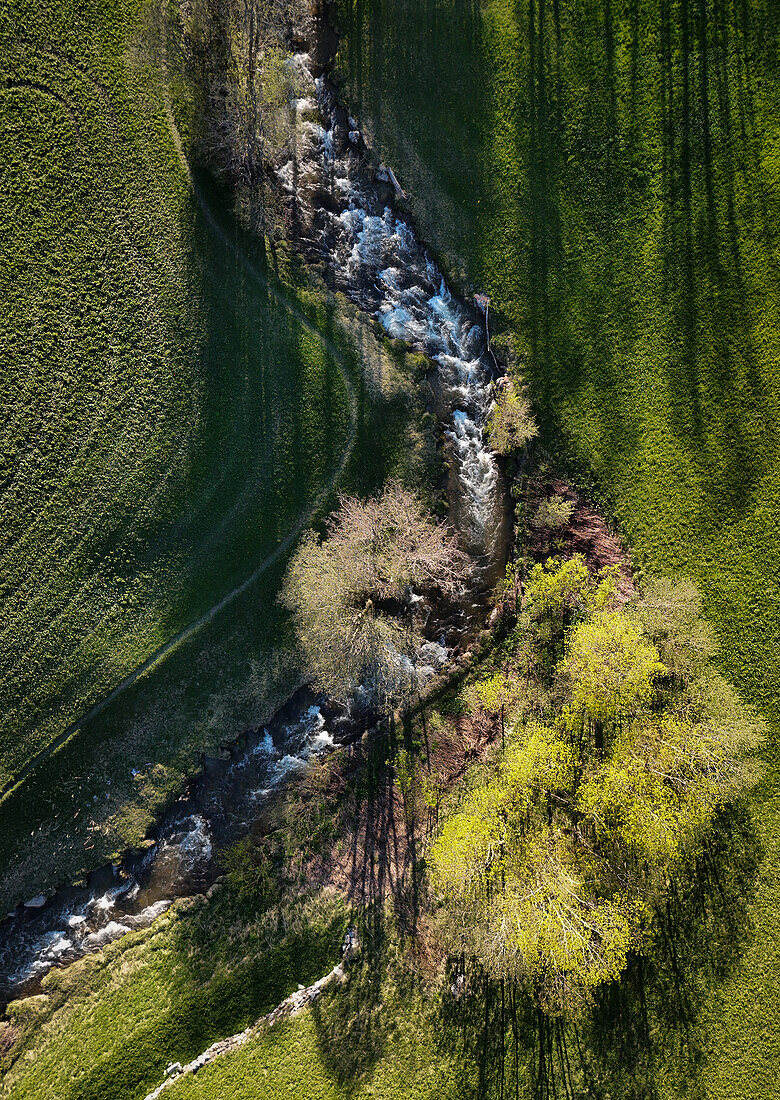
x=375, y=257
x=179, y=863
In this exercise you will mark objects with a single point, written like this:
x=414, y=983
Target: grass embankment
x=108, y=1026
x=609, y=174
x=177, y=401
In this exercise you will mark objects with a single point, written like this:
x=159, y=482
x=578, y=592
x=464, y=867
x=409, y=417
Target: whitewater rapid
x=180, y=861
x=342, y=209
x=343, y=214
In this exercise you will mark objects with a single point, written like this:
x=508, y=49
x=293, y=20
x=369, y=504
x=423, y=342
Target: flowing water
x=343, y=214
x=182, y=858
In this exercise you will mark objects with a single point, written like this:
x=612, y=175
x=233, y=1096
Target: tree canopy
x=511, y=425
x=610, y=781
x=352, y=593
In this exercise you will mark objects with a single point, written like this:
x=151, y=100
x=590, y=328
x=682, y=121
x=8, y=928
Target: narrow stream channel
x=182, y=856
x=343, y=210
x=344, y=216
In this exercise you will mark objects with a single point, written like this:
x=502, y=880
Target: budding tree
x=352, y=593
x=550, y=870
x=511, y=426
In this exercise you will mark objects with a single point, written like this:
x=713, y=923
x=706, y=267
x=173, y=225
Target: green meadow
x=180, y=403
x=609, y=172
x=108, y=1026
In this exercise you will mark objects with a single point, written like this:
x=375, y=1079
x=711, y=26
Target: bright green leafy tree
x=549, y=871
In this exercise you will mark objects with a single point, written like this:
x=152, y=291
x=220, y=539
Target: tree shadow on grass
x=644, y=1029
x=642, y=1032
x=383, y=887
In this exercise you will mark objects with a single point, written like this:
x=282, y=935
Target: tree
x=549, y=871
x=511, y=425
x=670, y=612
x=610, y=667
x=661, y=786
x=552, y=929
x=352, y=596
x=238, y=60
x=554, y=512
x=517, y=895
x=560, y=593
x=558, y=589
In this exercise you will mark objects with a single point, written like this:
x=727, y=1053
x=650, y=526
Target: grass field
x=178, y=403
x=108, y=1026
x=610, y=174
x=615, y=187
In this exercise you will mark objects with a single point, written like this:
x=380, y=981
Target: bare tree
x=352, y=594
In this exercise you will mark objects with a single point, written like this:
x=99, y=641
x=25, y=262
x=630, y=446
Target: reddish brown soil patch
x=384, y=823
x=586, y=533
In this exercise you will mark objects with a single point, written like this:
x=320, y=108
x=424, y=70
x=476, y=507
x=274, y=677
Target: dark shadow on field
x=569, y=142
x=655, y=107
x=641, y=1033
x=266, y=427
x=383, y=885
x=706, y=170
x=645, y=1026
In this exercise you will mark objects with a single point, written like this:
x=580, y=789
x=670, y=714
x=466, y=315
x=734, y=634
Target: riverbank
x=156, y=485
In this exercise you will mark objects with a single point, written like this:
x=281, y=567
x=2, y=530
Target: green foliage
x=558, y=588
x=541, y=762
x=671, y=613
x=548, y=928
x=554, y=512
x=611, y=668
x=662, y=784
x=491, y=692
x=550, y=870
x=561, y=592
x=405, y=772
x=511, y=425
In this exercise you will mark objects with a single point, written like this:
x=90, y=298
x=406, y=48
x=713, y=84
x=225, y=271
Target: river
x=344, y=215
